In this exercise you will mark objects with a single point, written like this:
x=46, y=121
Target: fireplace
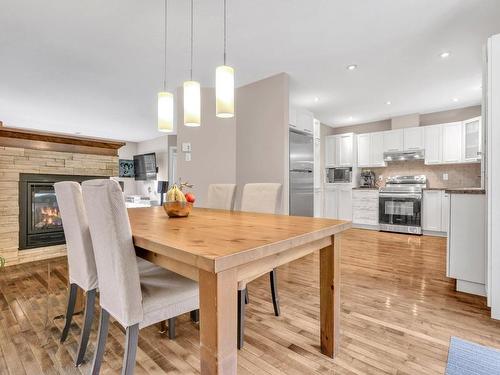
x=39, y=218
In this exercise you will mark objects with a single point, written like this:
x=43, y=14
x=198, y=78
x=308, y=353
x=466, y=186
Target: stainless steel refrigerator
x=301, y=174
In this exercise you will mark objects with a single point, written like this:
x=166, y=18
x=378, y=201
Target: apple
x=190, y=197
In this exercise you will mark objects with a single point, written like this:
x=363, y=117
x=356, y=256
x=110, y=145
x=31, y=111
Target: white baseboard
x=434, y=233
x=471, y=288
x=365, y=226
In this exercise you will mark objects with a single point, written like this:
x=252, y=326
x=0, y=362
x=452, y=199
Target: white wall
x=262, y=133
x=213, y=144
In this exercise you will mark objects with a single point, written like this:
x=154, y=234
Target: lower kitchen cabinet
x=338, y=202
x=435, y=212
x=466, y=254
x=365, y=208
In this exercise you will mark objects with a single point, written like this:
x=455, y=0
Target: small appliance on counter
x=400, y=204
x=367, y=179
x=339, y=175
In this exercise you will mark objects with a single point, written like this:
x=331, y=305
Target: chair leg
x=273, y=278
x=195, y=316
x=171, y=328
x=70, y=309
x=241, y=318
x=87, y=326
x=132, y=339
x=247, y=299
x=102, y=334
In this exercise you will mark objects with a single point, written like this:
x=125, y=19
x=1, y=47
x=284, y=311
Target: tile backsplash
x=459, y=175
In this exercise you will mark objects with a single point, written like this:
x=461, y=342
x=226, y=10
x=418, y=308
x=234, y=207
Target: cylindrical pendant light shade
x=224, y=91
x=192, y=103
x=165, y=112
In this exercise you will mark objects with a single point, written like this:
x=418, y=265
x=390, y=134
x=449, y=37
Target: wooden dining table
x=221, y=249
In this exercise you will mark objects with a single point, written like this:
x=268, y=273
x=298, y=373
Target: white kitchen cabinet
x=344, y=203
x=364, y=150
x=413, y=138
x=330, y=203
x=394, y=140
x=318, y=203
x=317, y=129
x=433, y=144
x=318, y=177
x=472, y=140
x=365, y=207
x=445, y=212
x=305, y=121
x=292, y=117
x=431, y=210
x=377, y=150
x=346, y=156
x=452, y=142
x=330, y=150
x=466, y=242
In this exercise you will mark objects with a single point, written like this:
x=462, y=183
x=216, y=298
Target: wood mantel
x=36, y=140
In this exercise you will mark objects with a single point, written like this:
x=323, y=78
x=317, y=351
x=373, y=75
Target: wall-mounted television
x=145, y=167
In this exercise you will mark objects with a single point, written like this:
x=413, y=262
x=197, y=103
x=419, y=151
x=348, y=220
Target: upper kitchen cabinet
x=364, y=159
x=300, y=119
x=377, y=150
x=452, y=142
x=393, y=140
x=346, y=157
x=413, y=138
x=330, y=151
x=472, y=140
x=371, y=150
x=339, y=150
x=433, y=144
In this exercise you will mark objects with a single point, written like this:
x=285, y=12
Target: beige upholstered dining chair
x=81, y=264
x=262, y=198
x=221, y=196
x=136, y=300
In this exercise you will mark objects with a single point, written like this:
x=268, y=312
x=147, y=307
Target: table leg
x=330, y=297
x=218, y=314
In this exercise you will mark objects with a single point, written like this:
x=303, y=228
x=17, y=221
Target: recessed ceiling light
x=352, y=67
x=455, y=100
x=445, y=54
x=350, y=118
x=316, y=99
x=388, y=102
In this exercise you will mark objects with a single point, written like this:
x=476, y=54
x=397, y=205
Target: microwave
x=339, y=175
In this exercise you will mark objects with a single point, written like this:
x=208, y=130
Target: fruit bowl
x=177, y=209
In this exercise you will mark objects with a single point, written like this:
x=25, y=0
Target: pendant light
x=165, y=99
x=224, y=83
x=192, y=92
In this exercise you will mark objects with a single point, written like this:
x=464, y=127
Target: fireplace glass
x=44, y=210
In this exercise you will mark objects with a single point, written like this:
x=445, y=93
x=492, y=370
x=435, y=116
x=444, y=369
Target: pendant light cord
x=225, y=32
x=192, y=11
x=165, y=51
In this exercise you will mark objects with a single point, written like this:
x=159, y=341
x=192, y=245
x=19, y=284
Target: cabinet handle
x=292, y=125
x=307, y=130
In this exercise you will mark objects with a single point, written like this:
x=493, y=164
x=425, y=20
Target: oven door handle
x=401, y=196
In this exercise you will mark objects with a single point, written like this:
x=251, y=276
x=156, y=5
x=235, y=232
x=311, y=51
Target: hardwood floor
x=398, y=313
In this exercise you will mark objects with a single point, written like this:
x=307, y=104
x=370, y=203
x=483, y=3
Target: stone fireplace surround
x=17, y=160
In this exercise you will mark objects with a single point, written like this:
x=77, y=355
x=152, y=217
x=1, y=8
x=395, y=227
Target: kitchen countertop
x=362, y=188
x=465, y=191
x=434, y=188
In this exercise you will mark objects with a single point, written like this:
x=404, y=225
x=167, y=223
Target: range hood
x=404, y=155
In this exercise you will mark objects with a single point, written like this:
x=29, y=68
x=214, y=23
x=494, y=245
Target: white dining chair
x=135, y=300
x=81, y=264
x=221, y=196
x=261, y=198
x=82, y=270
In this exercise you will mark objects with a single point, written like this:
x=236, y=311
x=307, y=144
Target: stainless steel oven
x=400, y=204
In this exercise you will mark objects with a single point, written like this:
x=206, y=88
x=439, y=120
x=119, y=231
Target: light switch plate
x=445, y=176
x=186, y=147
x=188, y=156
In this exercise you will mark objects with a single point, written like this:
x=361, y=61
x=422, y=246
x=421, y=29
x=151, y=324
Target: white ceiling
x=95, y=66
